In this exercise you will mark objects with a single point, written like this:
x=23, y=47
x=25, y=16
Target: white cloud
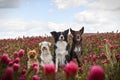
x=13, y=28
x=105, y=4
x=99, y=20
x=64, y=4
x=98, y=15
x=19, y=28
x=97, y=4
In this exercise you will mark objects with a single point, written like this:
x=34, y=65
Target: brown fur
x=32, y=57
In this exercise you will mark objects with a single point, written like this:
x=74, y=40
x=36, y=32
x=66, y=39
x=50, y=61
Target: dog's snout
x=44, y=48
x=32, y=55
x=61, y=37
x=78, y=37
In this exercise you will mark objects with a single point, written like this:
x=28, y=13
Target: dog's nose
x=61, y=37
x=44, y=48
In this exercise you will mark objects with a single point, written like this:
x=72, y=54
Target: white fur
x=77, y=50
x=60, y=53
x=45, y=56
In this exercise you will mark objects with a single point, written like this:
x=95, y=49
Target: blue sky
x=40, y=17
x=43, y=10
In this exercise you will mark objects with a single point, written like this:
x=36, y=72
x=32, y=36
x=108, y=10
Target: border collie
x=76, y=49
x=60, y=48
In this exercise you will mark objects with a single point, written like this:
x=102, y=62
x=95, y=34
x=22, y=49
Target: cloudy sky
x=40, y=17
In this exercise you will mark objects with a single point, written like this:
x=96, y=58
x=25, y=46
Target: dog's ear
x=37, y=50
x=66, y=31
x=49, y=43
x=72, y=31
x=53, y=33
x=28, y=49
x=40, y=43
x=81, y=30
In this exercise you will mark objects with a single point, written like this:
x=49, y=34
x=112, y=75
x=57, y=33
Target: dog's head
x=77, y=35
x=60, y=36
x=45, y=47
x=32, y=54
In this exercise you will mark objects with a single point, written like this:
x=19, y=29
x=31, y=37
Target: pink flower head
x=16, y=67
x=71, y=69
x=85, y=61
x=102, y=55
x=117, y=56
x=24, y=71
x=17, y=60
x=22, y=77
x=49, y=69
x=112, y=47
x=35, y=64
x=100, y=47
x=8, y=74
x=36, y=77
x=96, y=73
x=21, y=52
x=10, y=63
x=5, y=59
x=35, y=68
x=94, y=57
x=15, y=54
x=106, y=41
x=85, y=57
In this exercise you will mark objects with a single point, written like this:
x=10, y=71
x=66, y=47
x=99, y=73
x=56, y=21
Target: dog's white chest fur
x=77, y=50
x=61, y=47
x=61, y=52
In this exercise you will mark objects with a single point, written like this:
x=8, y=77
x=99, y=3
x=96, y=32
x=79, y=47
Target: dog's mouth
x=32, y=56
x=61, y=40
x=78, y=39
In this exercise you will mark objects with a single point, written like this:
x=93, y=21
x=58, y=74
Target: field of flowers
x=101, y=49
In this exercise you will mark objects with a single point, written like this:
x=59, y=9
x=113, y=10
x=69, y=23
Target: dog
x=46, y=57
x=60, y=48
x=76, y=49
x=32, y=57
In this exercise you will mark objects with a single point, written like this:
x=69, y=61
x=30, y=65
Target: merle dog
x=60, y=47
x=76, y=49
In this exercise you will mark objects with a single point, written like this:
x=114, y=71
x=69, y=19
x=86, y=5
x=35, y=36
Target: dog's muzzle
x=61, y=38
x=44, y=48
x=32, y=56
x=78, y=38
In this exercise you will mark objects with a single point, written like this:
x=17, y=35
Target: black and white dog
x=60, y=48
x=76, y=49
